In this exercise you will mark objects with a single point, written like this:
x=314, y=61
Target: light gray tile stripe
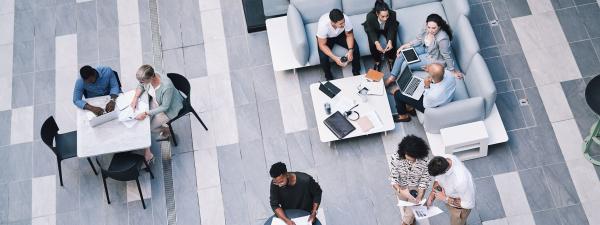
x=21, y=125
x=43, y=197
x=66, y=74
x=130, y=42
x=512, y=194
x=290, y=101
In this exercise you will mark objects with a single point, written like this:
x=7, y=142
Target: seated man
x=96, y=82
x=293, y=190
x=336, y=28
x=439, y=90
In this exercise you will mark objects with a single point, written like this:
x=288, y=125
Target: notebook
x=329, y=89
x=339, y=125
x=374, y=75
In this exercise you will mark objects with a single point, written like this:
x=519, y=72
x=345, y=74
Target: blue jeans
x=400, y=61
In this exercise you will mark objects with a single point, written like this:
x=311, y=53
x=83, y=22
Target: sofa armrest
x=454, y=113
x=455, y=8
x=297, y=35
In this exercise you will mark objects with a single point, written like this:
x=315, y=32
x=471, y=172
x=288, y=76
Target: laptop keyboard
x=412, y=86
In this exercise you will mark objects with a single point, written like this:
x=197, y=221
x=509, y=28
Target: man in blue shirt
x=93, y=83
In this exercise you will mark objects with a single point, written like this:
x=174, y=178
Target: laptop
x=106, y=117
x=410, y=55
x=410, y=85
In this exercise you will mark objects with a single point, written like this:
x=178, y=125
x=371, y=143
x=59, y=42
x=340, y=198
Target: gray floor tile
x=230, y=165
x=528, y=115
x=497, y=68
x=584, y=116
x=560, y=185
x=477, y=15
x=24, y=25
x=66, y=19
x=195, y=61
x=545, y=144
x=537, y=106
x=191, y=25
x=484, y=35
x=44, y=87
x=43, y=4
x=144, y=9
x=573, y=215
x=299, y=150
x=4, y=205
x=173, y=61
x=23, y=52
x=45, y=53
x=518, y=8
x=560, y=4
x=108, y=43
x=572, y=24
x=20, y=200
x=589, y=14
x=5, y=176
x=68, y=218
x=86, y=17
x=188, y=210
x=116, y=214
x=488, y=201
x=184, y=172
x=117, y=191
x=509, y=111
x=146, y=33
x=517, y=68
x=67, y=196
x=45, y=22
x=547, y=217
x=114, y=64
x=257, y=196
x=503, y=86
x=488, y=8
x=490, y=52
x=264, y=83
x=169, y=23
x=253, y=159
x=523, y=149
x=44, y=160
x=260, y=53
x=24, y=5
x=586, y=58
x=536, y=189
x=242, y=88
x=92, y=216
x=107, y=14
x=235, y=203
x=183, y=133
x=500, y=9
x=91, y=192
x=270, y=117
x=309, y=111
x=498, y=35
x=248, y=123
x=275, y=150
x=233, y=24
x=238, y=52
x=20, y=159
x=5, y=118
x=87, y=47
x=479, y=167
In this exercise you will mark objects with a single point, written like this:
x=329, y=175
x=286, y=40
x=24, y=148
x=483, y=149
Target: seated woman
x=382, y=21
x=432, y=45
x=165, y=102
x=439, y=90
x=409, y=175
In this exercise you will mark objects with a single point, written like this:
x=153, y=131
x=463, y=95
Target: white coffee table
x=348, y=86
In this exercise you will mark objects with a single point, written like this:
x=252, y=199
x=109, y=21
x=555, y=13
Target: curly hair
x=413, y=146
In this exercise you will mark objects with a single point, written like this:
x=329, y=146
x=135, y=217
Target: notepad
x=299, y=221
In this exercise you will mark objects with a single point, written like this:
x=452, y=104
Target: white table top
x=464, y=133
x=348, y=86
x=112, y=136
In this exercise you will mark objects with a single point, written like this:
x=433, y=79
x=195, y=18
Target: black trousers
x=401, y=100
x=377, y=55
x=341, y=41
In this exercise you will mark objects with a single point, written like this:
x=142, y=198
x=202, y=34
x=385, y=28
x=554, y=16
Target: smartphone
x=344, y=59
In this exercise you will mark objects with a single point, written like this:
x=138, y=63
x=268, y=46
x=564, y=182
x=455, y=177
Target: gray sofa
x=475, y=94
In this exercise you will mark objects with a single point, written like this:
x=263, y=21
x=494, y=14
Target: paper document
x=124, y=99
x=374, y=88
x=421, y=212
x=406, y=203
x=127, y=115
x=374, y=118
x=299, y=221
x=341, y=103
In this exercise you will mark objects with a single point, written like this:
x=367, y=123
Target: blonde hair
x=145, y=72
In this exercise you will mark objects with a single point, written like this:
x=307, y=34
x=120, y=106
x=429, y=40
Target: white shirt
x=381, y=24
x=152, y=90
x=440, y=93
x=325, y=30
x=458, y=183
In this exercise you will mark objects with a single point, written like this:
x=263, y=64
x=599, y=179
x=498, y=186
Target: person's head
x=437, y=166
x=337, y=18
x=278, y=172
x=145, y=74
x=382, y=10
x=435, y=23
x=436, y=71
x=88, y=74
x=412, y=148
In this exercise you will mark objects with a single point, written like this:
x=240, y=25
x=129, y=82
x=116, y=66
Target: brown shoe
x=397, y=119
x=390, y=80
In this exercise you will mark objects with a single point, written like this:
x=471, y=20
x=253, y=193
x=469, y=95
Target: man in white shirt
x=439, y=90
x=336, y=28
x=453, y=185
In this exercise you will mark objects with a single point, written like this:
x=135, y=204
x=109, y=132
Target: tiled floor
x=540, y=52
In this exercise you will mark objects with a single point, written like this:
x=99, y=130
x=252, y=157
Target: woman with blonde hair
x=165, y=102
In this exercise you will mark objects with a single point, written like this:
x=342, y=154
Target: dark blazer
x=372, y=27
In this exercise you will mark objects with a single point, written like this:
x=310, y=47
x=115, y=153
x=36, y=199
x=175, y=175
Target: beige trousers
x=458, y=216
x=408, y=216
x=158, y=121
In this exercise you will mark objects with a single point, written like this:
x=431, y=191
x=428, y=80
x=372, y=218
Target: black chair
x=125, y=167
x=118, y=81
x=183, y=85
x=66, y=144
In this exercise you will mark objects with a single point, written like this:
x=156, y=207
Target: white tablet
x=410, y=55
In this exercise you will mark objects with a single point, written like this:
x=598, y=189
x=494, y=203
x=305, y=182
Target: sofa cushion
x=412, y=19
x=360, y=36
x=297, y=35
x=355, y=7
x=397, y=4
x=460, y=91
x=312, y=10
x=464, y=43
x=456, y=8
x=479, y=82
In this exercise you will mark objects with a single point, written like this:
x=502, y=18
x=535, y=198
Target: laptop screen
x=404, y=78
x=410, y=55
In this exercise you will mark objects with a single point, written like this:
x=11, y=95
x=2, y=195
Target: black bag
x=329, y=89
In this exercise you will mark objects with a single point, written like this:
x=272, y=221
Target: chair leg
x=137, y=181
x=92, y=165
x=197, y=117
x=60, y=173
x=172, y=134
x=106, y=190
x=148, y=169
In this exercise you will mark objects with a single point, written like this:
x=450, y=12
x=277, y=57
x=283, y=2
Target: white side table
x=466, y=141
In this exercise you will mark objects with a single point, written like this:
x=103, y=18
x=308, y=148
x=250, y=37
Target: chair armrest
x=297, y=35
x=454, y=113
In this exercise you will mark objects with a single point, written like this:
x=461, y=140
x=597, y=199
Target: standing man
x=293, y=190
x=453, y=185
x=93, y=83
x=336, y=28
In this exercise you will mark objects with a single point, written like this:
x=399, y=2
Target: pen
x=353, y=107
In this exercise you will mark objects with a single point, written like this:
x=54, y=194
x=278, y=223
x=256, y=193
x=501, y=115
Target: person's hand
x=457, y=74
x=97, y=110
x=454, y=202
x=349, y=56
x=338, y=61
x=427, y=82
x=418, y=199
x=404, y=46
x=290, y=222
x=429, y=202
x=378, y=47
x=312, y=217
x=110, y=106
x=406, y=194
x=389, y=46
x=141, y=116
x=440, y=194
x=134, y=103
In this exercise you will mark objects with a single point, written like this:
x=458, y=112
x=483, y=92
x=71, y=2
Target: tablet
x=410, y=55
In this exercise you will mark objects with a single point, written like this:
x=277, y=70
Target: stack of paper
x=422, y=212
x=299, y=221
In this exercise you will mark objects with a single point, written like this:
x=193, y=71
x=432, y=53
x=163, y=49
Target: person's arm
x=275, y=201
x=438, y=93
x=467, y=198
x=78, y=94
x=322, y=42
x=350, y=40
x=419, y=40
x=395, y=171
x=392, y=32
x=445, y=50
x=370, y=28
x=425, y=180
x=166, y=102
x=114, y=85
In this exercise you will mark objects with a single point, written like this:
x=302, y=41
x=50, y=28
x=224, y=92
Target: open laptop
x=106, y=117
x=410, y=85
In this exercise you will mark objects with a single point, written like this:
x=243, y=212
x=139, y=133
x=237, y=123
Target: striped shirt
x=410, y=174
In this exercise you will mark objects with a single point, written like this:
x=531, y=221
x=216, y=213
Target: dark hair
x=438, y=165
x=441, y=23
x=380, y=5
x=413, y=146
x=87, y=71
x=336, y=15
x=277, y=169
